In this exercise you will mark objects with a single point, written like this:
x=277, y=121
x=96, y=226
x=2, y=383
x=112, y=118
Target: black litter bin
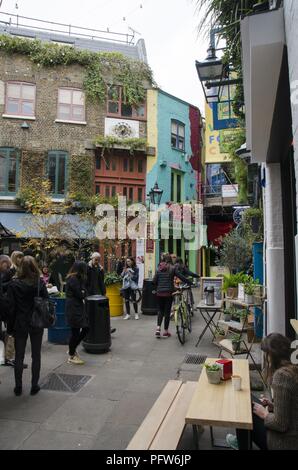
x=98, y=340
x=149, y=302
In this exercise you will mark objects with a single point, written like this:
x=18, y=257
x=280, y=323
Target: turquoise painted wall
x=170, y=108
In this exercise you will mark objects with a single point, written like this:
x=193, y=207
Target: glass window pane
x=114, y=93
x=114, y=164
x=130, y=194
x=12, y=173
x=52, y=172
x=140, y=166
x=181, y=131
x=181, y=143
x=98, y=162
x=126, y=110
x=61, y=176
x=113, y=191
x=64, y=96
x=78, y=97
x=108, y=163
x=97, y=189
x=13, y=90
x=64, y=111
x=174, y=140
x=131, y=165
x=174, y=127
x=125, y=192
x=28, y=92
x=2, y=172
x=107, y=191
x=178, y=188
x=125, y=164
x=13, y=107
x=113, y=108
x=140, y=111
x=140, y=194
x=27, y=108
x=78, y=113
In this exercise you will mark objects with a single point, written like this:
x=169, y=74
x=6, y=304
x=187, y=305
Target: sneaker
x=137, y=317
x=232, y=441
x=157, y=334
x=126, y=317
x=76, y=360
x=167, y=334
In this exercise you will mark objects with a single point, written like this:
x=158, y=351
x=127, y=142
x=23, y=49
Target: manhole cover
x=194, y=359
x=65, y=382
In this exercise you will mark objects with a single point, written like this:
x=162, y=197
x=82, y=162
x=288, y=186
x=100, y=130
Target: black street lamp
x=155, y=195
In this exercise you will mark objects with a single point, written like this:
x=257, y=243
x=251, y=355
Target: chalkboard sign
x=216, y=282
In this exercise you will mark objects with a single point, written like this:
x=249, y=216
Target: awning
x=24, y=226
x=266, y=85
x=5, y=233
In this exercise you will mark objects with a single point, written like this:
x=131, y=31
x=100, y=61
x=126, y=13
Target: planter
x=214, y=377
x=232, y=293
x=60, y=333
x=115, y=300
x=249, y=299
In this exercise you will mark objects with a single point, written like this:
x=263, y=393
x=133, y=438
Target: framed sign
x=216, y=282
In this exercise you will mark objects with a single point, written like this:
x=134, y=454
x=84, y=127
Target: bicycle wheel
x=180, y=324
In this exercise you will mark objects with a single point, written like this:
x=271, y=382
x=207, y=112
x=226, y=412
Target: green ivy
x=109, y=142
x=102, y=68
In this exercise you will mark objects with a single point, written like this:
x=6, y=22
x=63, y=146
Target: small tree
x=236, y=253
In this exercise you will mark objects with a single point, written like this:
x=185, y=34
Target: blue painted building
x=174, y=130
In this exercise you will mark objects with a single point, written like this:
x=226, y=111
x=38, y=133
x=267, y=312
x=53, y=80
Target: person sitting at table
x=275, y=424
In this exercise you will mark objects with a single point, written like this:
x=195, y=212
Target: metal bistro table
x=208, y=313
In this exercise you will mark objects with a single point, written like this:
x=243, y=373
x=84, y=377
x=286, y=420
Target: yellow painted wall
x=152, y=138
x=212, y=140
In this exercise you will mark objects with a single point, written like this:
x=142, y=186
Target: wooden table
x=208, y=313
x=220, y=405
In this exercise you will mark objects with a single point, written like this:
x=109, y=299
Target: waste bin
x=60, y=333
x=98, y=339
x=149, y=302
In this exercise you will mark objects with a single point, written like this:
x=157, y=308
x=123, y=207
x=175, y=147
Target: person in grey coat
x=275, y=423
x=75, y=309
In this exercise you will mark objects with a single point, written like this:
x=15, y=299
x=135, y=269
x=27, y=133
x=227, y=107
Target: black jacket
x=5, y=279
x=95, y=280
x=21, y=303
x=164, y=279
x=186, y=272
x=75, y=308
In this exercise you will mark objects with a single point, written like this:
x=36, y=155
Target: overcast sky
x=169, y=28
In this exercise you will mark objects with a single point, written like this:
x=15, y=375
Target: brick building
x=46, y=120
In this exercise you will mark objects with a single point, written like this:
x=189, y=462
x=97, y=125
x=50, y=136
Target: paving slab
x=80, y=415
x=54, y=440
x=132, y=408
x=13, y=433
x=115, y=436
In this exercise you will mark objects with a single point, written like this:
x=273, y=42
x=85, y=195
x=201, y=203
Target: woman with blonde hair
x=16, y=260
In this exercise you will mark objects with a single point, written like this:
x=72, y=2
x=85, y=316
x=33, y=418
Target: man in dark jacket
x=96, y=278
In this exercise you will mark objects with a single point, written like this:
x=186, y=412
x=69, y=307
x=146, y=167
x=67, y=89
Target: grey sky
x=169, y=28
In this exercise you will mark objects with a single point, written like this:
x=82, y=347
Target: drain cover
x=194, y=359
x=65, y=382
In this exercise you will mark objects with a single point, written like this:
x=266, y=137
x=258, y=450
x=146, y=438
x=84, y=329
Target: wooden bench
x=164, y=424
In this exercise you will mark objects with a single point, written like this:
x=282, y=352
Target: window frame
x=20, y=101
x=58, y=154
x=72, y=118
x=177, y=136
x=7, y=151
x=120, y=102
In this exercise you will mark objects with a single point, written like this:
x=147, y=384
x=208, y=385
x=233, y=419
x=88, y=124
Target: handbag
x=44, y=311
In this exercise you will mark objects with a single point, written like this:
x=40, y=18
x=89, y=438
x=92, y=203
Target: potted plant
x=113, y=283
x=242, y=316
x=236, y=341
x=230, y=284
x=214, y=373
x=249, y=291
x=220, y=334
x=227, y=314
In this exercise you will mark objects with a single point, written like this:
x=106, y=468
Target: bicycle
x=182, y=314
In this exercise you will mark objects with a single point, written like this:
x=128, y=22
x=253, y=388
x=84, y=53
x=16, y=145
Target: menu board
x=216, y=282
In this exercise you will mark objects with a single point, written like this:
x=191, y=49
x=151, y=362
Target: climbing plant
x=81, y=176
x=102, y=68
x=109, y=142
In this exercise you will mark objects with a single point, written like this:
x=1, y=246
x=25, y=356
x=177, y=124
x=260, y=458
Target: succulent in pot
x=214, y=373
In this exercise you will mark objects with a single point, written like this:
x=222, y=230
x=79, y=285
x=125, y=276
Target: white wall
x=274, y=250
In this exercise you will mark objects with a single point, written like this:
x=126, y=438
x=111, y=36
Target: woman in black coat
x=75, y=309
x=21, y=293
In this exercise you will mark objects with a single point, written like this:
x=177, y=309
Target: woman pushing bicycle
x=164, y=284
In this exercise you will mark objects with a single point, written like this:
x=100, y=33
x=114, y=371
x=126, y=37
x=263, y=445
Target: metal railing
x=66, y=29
